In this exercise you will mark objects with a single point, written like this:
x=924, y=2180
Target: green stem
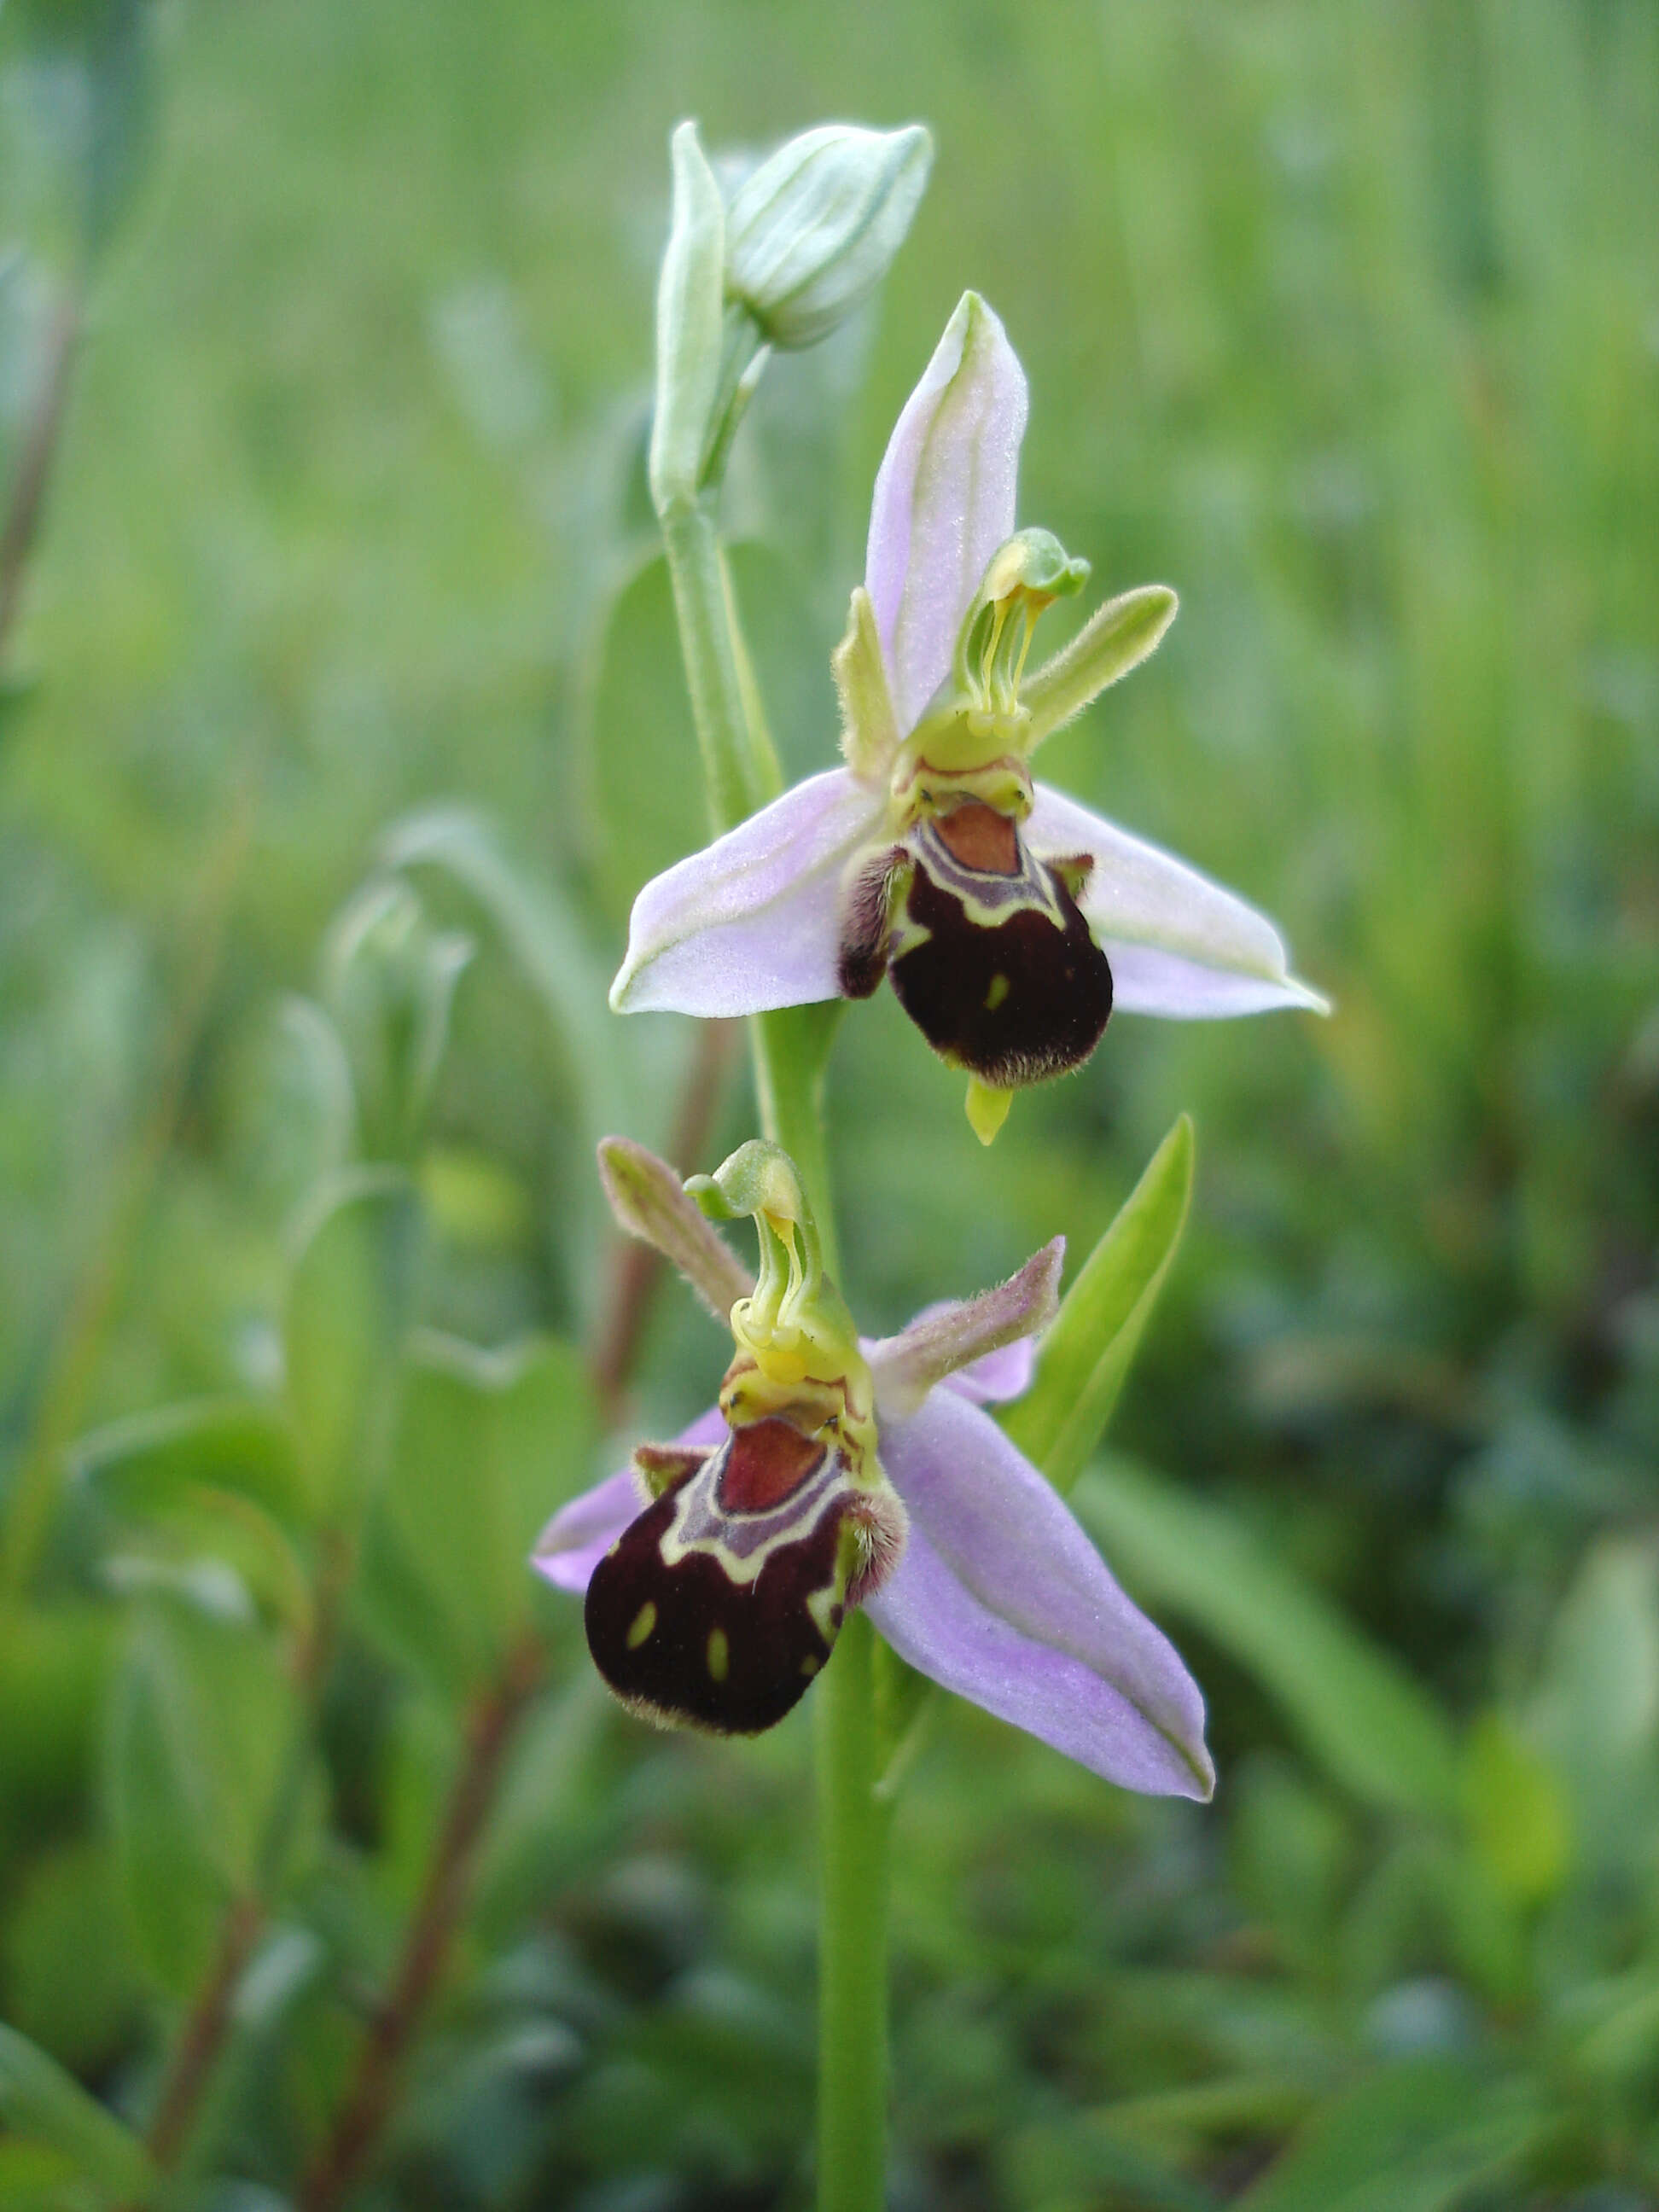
x=852, y=1876
x=789, y=1050
x=740, y=768
x=853, y=1821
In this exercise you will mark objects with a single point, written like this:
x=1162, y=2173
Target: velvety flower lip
x=755, y=922
x=998, y=1593
x=847, y=875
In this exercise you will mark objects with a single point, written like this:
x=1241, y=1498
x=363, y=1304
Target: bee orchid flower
x=833, y=1471
x=1010, y=920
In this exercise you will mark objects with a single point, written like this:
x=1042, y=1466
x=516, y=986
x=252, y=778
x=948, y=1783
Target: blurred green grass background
x=1345, y=321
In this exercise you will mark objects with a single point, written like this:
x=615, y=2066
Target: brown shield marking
x=1014, y=1002
x=691, y=1645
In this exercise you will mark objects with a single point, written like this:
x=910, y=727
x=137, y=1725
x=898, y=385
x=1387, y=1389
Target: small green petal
x=869, y=728
x=1116, y=638
x=987, y=1108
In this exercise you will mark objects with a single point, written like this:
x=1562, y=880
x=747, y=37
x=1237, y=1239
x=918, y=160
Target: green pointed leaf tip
x=814, y=229
x=690, y=308
x=1372, y=1727
x=1087, y=1354
x=151, y=1462
x=41, y=2103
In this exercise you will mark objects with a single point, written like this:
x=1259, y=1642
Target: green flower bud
x=810, y=234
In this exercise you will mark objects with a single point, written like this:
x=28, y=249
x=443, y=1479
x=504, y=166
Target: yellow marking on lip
x=998, y=991
x=644, y=1621
x=824, y=1605
x=719, y=1655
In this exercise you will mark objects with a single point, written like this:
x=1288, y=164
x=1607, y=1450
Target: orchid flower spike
x=1010, y=920
x=835, y=1472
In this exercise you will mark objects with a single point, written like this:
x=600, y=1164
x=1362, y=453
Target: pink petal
x=999, y=1375
x=752, y=920
x=1001, y=1597
x=1179, y=945
x=944, y=500
x=948, y=1339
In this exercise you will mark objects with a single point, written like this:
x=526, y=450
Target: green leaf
x=1596, y=1711
x=201, y=1732
x=43, y=2103
x=153, y=1461
x=1087, y=1354
x=35, y=2177
x=1078, y=2165
x=1369, y=1723
x=1514, y=1811
x=1419, y=2136
x=389, y=980
x=552, y=1815
x=71, y=1979
x=54, y=1661
x=207, y=1529
x=543, y=935
x=349, y=1306
x=488, y=1444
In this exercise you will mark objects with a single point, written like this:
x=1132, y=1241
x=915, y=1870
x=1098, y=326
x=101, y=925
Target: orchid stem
x=739, y=765
x=852, y=1876
x=789, y=1048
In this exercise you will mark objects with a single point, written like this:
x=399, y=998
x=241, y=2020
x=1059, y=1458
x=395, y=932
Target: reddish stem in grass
x=361, y=2119
x=197, y=2052
x=204, y=2031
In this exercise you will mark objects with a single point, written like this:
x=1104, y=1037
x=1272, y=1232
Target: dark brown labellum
x=991, y=958
x=719, y=1605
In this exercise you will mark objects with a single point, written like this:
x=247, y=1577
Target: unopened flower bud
x=811, y=232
